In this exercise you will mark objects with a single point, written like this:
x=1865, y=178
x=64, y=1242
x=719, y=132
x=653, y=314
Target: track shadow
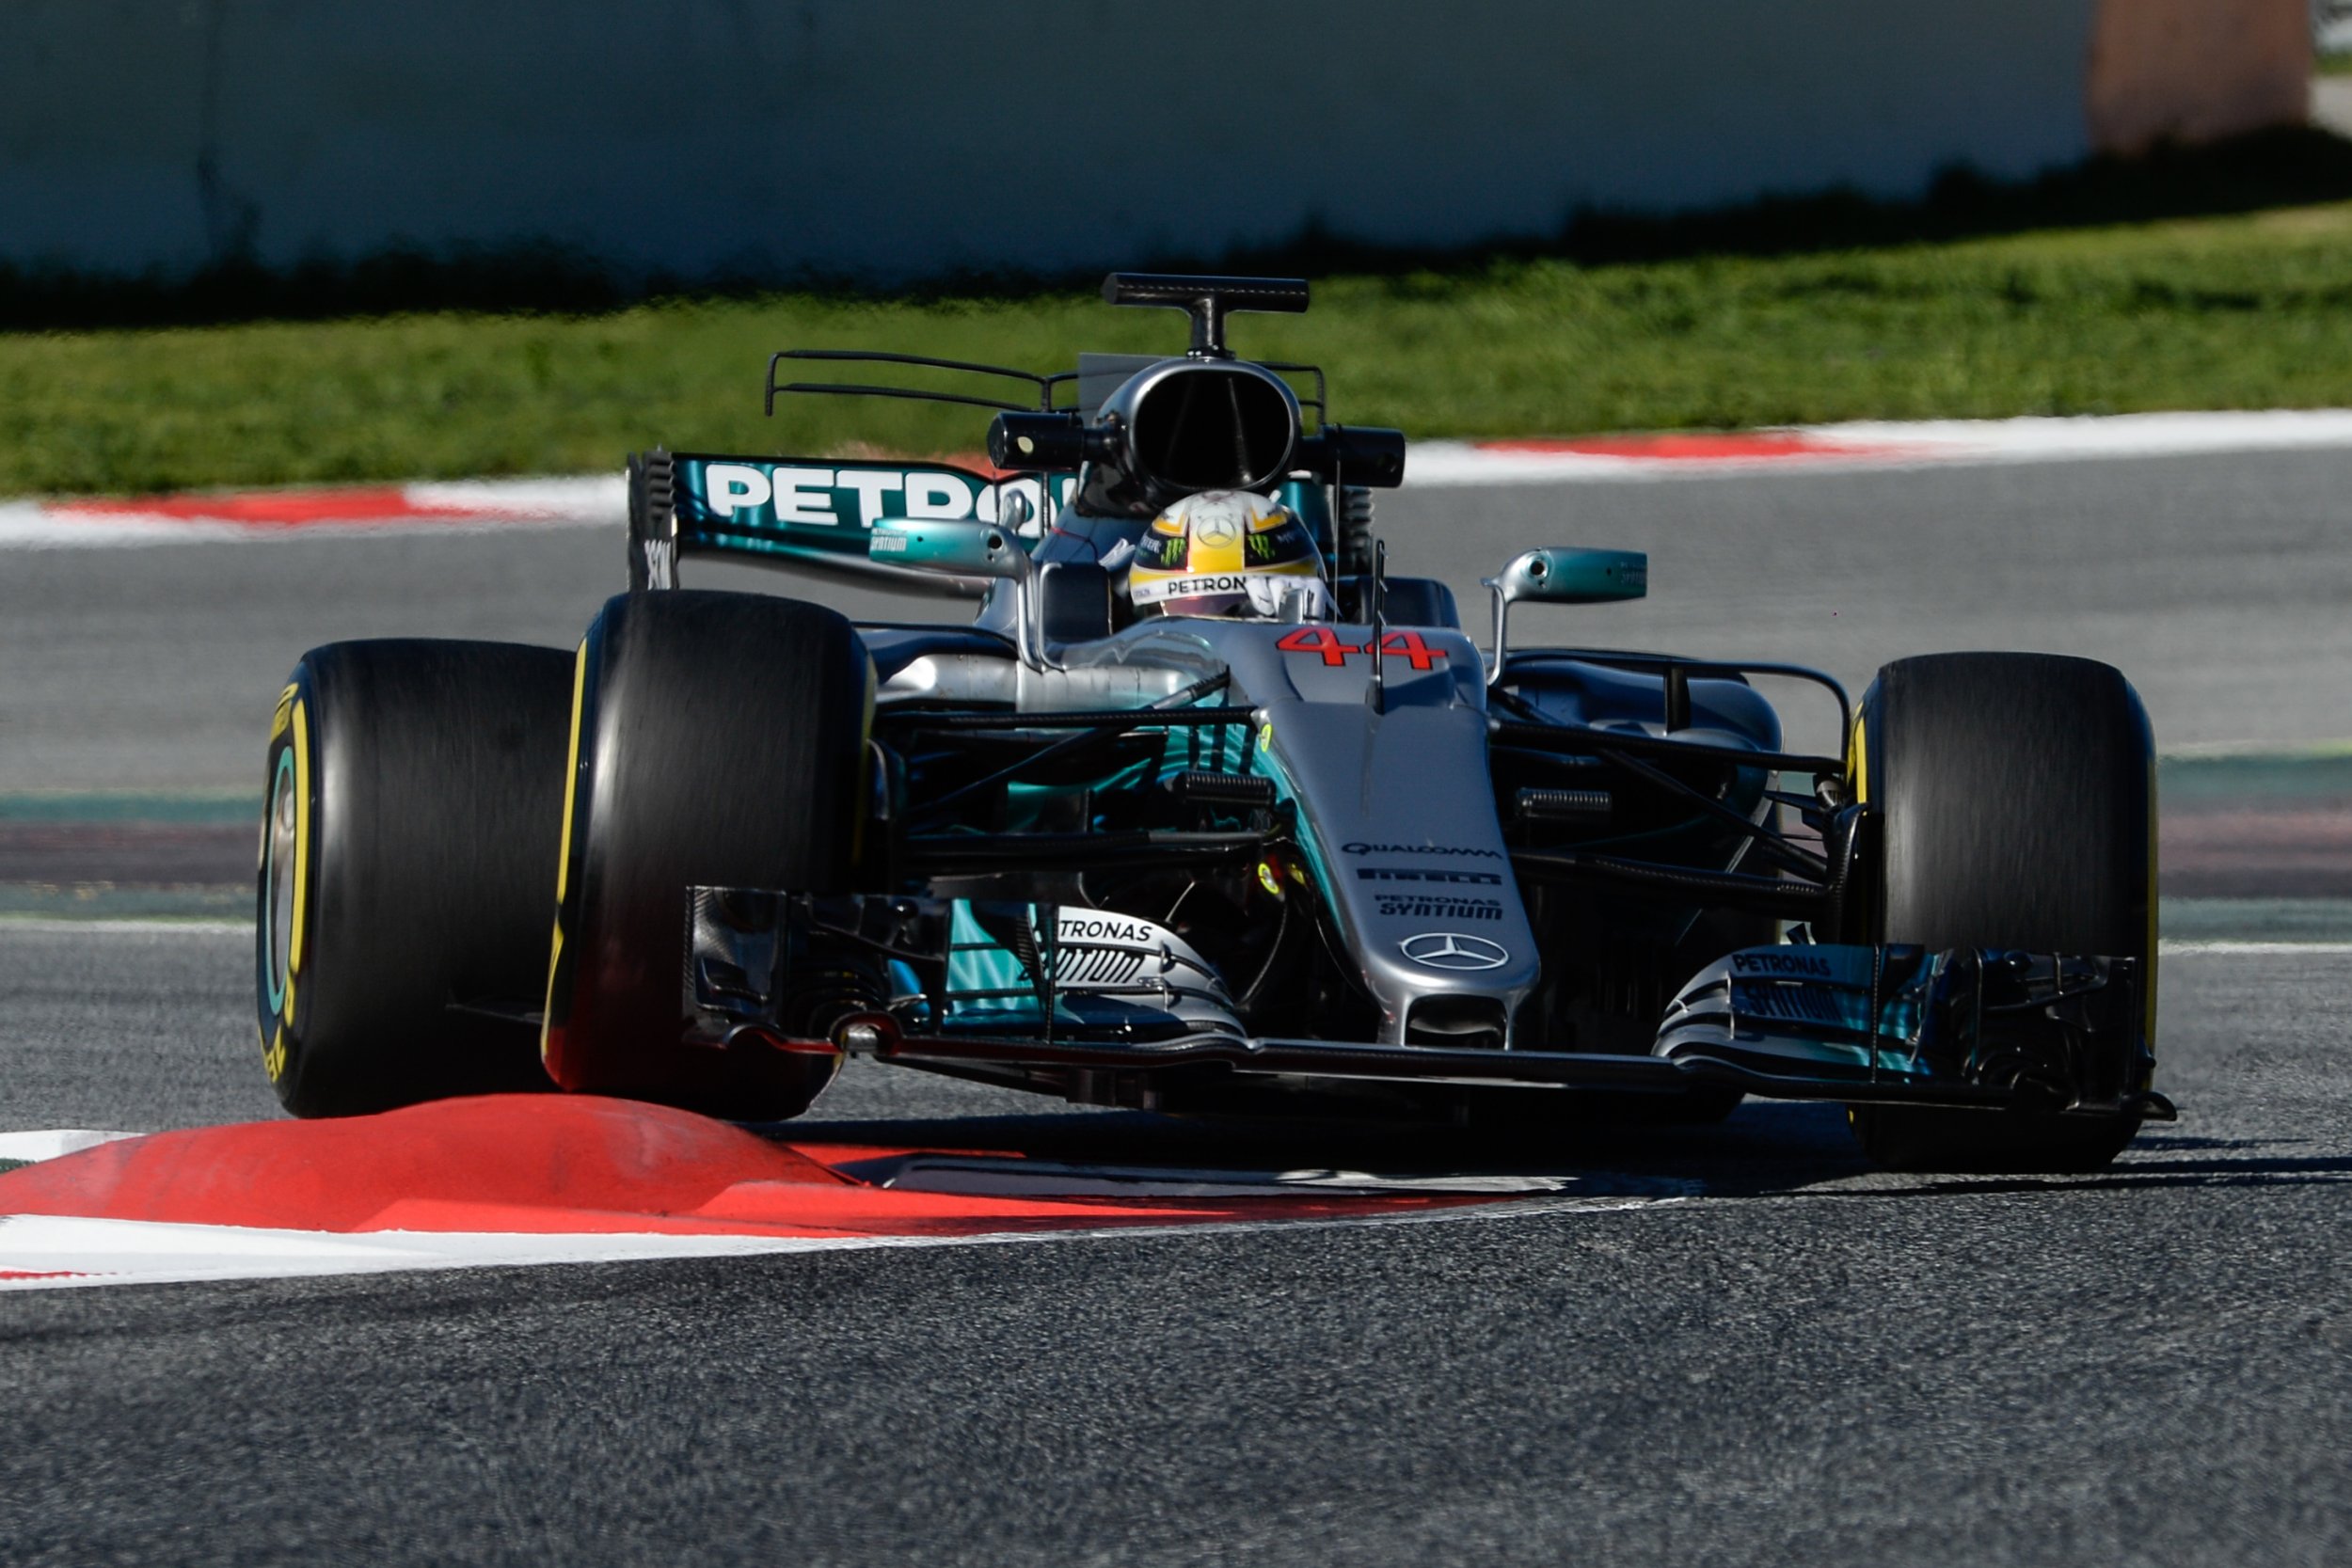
x=1761, y=1148
x=2142, y=1168
x=1765, y=1150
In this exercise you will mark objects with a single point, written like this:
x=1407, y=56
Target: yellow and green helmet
x=1229, y=552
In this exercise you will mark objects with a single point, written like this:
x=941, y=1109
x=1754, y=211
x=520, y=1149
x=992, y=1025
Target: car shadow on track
x=1763, y=1149
x=1760, y=1148
x=2149, y=1164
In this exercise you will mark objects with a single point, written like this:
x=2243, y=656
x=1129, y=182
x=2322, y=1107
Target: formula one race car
x=1205, y=813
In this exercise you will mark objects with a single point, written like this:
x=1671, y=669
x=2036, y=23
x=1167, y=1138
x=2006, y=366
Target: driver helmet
x=1231, y=553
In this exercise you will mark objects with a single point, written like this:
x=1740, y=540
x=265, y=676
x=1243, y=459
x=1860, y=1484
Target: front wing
x=1891, y=1024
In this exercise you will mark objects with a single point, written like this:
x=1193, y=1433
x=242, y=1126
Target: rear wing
x=814, y=513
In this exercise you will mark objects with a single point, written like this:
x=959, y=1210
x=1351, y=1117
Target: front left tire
x=719, y=740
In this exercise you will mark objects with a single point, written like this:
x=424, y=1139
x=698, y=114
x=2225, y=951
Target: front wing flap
x=2059, y=1031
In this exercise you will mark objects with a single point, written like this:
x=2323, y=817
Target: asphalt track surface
x=1804, y=1361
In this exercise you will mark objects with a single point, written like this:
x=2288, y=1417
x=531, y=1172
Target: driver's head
x=1229, y=552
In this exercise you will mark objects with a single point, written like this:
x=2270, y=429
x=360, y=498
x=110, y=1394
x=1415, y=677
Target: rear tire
x=410, y=830
x=719, y=741
x=2015, y=795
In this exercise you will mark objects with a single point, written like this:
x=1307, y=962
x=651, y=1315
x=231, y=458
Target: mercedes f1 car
x=1205, y=812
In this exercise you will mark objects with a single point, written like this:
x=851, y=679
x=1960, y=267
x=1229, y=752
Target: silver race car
x=1204, y=812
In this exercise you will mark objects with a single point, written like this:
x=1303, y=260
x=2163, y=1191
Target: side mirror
x=1557, y=575
x=1560, y=576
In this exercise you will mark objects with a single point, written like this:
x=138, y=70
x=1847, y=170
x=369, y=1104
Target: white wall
x=894, y=138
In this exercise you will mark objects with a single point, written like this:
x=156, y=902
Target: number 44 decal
x=1321, y=640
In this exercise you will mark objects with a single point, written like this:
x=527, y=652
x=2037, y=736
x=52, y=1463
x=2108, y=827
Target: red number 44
x=1325, y=643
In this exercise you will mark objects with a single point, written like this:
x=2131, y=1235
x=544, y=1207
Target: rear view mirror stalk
x=967, y=550
x=1557, y=574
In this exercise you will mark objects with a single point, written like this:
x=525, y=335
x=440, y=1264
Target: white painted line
x=1876, y=445
x=74, y=533
x=2185, y=949
x=130, y=925
x=2257, y=751
x=454, y=506
x=575, y=497
x=49, y=1142
x=31, y=526
x=2159, y=435
x=44, y=1252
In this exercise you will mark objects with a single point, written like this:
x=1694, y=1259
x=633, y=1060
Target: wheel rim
x=284, y=820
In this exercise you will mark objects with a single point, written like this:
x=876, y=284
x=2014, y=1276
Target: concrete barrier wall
x=896, y=138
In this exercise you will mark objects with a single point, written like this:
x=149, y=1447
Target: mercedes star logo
x=1453, y=950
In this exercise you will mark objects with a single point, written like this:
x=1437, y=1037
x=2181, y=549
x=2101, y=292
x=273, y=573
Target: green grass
x=2240, y=311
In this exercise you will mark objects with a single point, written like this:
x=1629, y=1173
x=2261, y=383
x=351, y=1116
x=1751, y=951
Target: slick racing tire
x=718, y=741
x=2015, y=795
x=409, y=834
